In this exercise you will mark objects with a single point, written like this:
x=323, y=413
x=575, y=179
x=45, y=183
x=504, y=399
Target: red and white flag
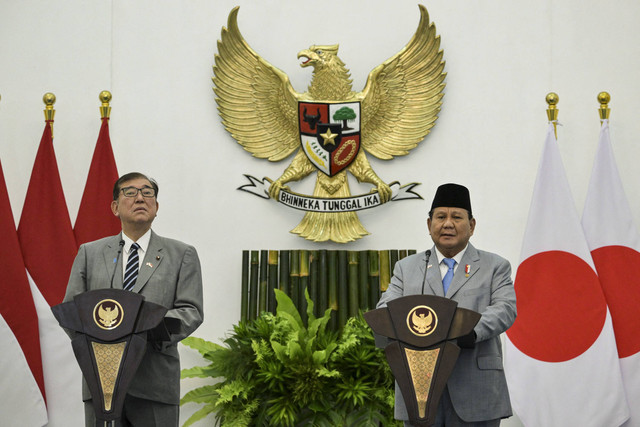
x=48, y=249
x=21, y=383
x=561, y=361
x=615, y=247
x=95, y=219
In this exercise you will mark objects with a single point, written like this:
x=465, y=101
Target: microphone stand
x=115, y=261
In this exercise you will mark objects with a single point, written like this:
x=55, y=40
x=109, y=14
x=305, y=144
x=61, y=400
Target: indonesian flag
x=561, y=361
x=615, y=247
x=21, y=381
x=95, y=219
x=48, y=248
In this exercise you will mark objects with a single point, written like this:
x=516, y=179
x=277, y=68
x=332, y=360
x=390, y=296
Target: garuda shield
x=330, y=134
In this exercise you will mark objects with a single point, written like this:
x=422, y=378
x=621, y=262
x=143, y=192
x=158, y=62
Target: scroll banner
x=302, y=202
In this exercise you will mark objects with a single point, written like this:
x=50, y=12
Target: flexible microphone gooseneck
x=115, y=261
x=426, y=267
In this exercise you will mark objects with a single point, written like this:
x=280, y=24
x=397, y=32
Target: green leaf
x=285, y=305
x=295, y=351
x=310, y=316
x=204, y=347
x=200, y=414
x=199, y=372
x=280, y=351
x=321, y=357
x=204, y=394
x=324, y=372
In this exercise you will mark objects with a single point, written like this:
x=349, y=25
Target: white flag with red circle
x=560, y=360
x=615, y=247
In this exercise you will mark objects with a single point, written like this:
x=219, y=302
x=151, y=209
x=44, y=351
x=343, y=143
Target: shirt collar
x=143, y=242
x=457, y=257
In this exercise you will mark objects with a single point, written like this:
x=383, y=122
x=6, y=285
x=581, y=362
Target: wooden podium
x=110, y=329
x=421, y=347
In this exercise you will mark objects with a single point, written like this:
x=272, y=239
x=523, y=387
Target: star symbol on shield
x=329, y=137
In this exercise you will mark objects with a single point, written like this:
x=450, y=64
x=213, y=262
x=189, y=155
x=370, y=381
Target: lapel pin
x=467, y=270
x=429, y=266
x=149, y=264
x=157, y=257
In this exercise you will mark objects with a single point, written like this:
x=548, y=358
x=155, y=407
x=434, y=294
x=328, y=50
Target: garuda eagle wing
x=256, y=101
x=402, y=97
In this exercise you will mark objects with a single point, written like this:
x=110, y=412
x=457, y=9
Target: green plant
x=275, y=371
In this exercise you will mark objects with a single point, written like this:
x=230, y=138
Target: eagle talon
x=275, y=188
x=384, y=191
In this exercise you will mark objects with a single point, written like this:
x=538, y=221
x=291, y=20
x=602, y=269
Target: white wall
x=155, y=56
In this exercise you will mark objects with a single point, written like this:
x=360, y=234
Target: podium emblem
x=422, y=320
x=108, y=314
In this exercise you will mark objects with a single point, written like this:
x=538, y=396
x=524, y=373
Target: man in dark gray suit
x=476, y=393
x=168, y=274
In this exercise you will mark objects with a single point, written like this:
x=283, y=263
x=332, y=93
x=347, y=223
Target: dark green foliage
x=277, y=371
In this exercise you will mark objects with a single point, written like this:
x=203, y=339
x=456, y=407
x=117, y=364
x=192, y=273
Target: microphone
x=427, y=255
x=115, y=261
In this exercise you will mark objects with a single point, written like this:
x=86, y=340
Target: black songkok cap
x=452, y=196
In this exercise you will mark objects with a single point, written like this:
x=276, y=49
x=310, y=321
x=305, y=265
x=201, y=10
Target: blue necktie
x=131, y=272
x=446, y=281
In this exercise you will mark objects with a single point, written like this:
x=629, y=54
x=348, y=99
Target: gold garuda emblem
x=108, y=314
x=330, y=127
x=422, y=321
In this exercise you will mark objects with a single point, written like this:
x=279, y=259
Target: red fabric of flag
x=49, y=248
x=16, y=302
x=95, y=219
x=45, y=233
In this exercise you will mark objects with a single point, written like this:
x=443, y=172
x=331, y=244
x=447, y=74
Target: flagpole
x=552, y=112
x=49, y=99
x=603, y=99
x=105, y=109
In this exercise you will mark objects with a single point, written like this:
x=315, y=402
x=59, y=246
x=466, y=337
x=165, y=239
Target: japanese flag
x=560, y=360
x=615, y=247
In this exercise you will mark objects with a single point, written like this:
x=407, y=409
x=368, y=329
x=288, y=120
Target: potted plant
x=277, y=371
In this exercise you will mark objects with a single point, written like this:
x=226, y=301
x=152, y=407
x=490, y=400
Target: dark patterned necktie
x=131, y=273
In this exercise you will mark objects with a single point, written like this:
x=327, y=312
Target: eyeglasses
x=147, y=192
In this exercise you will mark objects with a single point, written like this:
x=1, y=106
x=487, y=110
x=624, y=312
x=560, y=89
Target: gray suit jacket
x=477, y=386
x=170, y=276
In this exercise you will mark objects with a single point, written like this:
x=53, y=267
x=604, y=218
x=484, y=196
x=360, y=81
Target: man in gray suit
x=476, y=393
x=168, y=273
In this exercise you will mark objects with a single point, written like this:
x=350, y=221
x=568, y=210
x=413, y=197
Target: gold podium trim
x=422, y=365
x=108, y=360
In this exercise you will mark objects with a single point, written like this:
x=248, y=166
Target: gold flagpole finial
x=49, y=99
x=105, y=109
x=552, y=112
x=603, y=99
